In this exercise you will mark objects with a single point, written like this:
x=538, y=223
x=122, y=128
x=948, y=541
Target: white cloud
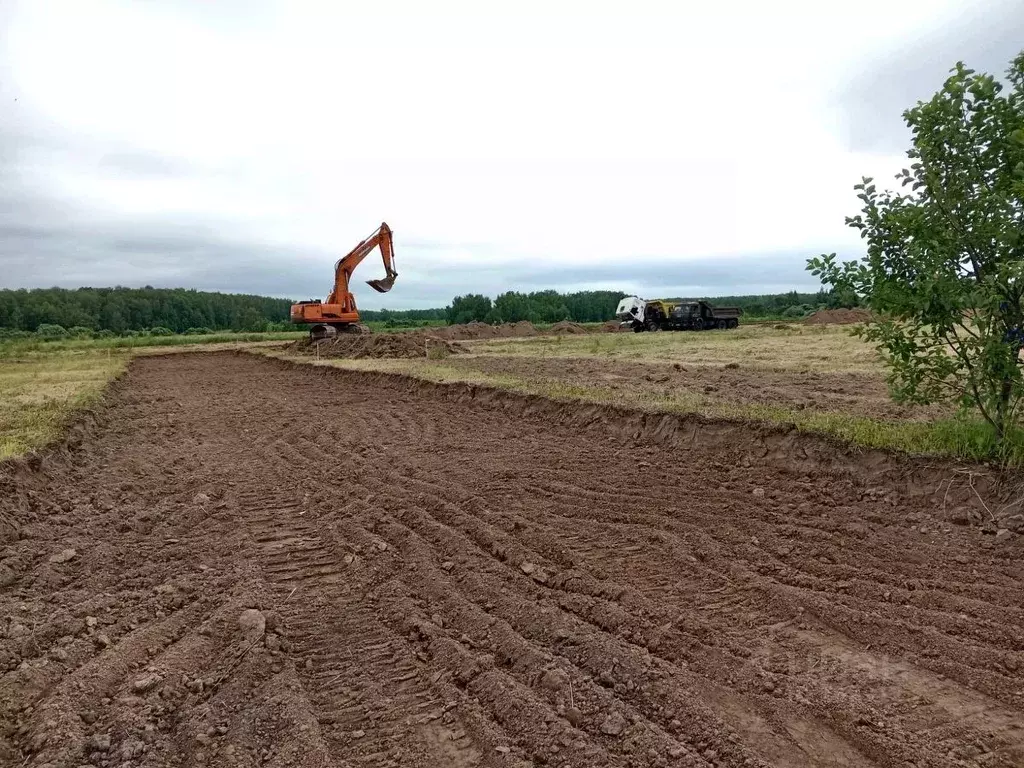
x=560, y=133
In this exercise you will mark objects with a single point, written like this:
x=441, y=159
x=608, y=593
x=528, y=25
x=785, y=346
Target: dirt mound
x=612, y=326
x=476, y=330
x=838, y=317
x=567, y=327
x=522, y=328
x=411, y=344
x=499, y=584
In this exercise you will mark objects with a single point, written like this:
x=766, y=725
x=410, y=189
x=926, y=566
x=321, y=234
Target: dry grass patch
x=39, y=393
x=824, y=348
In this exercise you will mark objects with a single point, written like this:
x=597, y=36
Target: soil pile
x=612, y=326
x=567, y=327
x=476, y=330
x=376, y=345
x=838, y=317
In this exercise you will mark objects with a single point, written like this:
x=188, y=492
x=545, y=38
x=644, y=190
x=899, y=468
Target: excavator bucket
x=385, y=283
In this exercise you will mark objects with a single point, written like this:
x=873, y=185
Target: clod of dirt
x=527, y=567
x=614, y=724
x=253, y=624
x=273, y=642
x=146, y=682
x=274, y=623
x=201, y=499
x=447, y=565
x=574, y=716
x=91, y=621
x=63, y=556
x=554, y=679
x=131, y=748
x=1015, y=523
x=539, y=575
x=1003, y=534
x=759, y=493
x=100, y=742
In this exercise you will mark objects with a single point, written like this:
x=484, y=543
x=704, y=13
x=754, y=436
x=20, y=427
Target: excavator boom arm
x=347, y=264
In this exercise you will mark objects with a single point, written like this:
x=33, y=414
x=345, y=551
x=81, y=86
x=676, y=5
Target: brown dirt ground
x=466, y=582
x=852, y=393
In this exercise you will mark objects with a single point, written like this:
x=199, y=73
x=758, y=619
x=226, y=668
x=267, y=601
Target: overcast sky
x=659, y=148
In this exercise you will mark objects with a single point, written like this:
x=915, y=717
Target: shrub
x=159, y=330
x=48, y=331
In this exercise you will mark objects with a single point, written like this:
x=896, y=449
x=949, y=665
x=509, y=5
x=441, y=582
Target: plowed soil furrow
x=248, y=563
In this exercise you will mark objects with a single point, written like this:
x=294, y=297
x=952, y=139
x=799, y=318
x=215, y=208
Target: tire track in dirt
x=464, y=585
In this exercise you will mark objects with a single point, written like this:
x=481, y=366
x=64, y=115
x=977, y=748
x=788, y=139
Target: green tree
x=944, y=269
x=465, y=309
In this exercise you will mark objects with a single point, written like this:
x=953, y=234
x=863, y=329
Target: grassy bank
x=43, y=384
x=40, y=393
x=20, y=347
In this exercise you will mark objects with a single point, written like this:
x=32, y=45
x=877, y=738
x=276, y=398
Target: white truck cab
x=631, y=310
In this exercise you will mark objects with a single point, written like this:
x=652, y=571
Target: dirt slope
x=858, y=393
x=409, y=344
x=247, y=563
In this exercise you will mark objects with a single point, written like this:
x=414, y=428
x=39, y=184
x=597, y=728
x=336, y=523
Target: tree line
x=178, y=310
x=119, y=310
x=599, y=306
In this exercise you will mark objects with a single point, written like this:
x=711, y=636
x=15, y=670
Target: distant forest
x=129, y=310
x=599, y=306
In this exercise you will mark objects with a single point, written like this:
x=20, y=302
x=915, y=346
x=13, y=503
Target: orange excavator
x=339, y=314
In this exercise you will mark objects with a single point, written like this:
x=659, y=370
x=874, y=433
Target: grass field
x=42, y=384
x=775, y=346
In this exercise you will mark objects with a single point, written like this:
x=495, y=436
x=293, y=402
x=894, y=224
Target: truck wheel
x=722, y=324
x=652, y=326
x=733, y=323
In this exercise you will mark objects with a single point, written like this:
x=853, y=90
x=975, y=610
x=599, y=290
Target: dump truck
x=674, y=315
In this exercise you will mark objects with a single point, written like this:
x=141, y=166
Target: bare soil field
x=865, y=394
x=240, y=561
